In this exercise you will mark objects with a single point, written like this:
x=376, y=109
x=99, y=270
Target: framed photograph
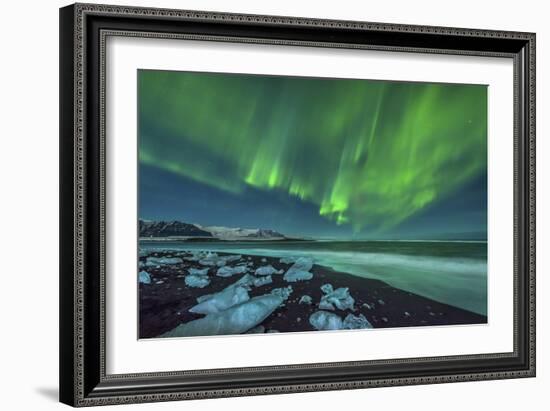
x=261, y=204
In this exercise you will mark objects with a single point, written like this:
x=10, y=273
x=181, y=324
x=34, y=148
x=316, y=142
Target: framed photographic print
x=262, y=204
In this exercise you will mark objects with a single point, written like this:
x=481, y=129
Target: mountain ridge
x=183, y=230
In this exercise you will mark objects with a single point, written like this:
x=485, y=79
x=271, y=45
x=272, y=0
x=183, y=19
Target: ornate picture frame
x=84, y=30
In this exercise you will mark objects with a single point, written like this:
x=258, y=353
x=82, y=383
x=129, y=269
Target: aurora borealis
x=311, y=156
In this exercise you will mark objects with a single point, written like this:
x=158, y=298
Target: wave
x=457, y=281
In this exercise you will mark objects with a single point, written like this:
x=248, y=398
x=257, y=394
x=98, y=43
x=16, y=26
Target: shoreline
x=164, y=304
x=173, y=239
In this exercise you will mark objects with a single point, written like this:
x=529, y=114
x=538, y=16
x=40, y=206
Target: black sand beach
x=165, y=302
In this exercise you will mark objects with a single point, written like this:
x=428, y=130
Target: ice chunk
x=195, y=256
x=303, y=263
x=155, y=261
x=144, y=277
x=197, y=281
x=235, y=320
x=259, y=329
x=198, y=271
x=299, y=271
x=231, y=258
x=143, y=252
x=283, y=292
x=245, y=281
x=339, y=298
x=264, y=260
x=323, y=305
x=209, y=259
x=354, y=322
x=267, y=270
x=227, y=271
x=228, y=297
x=327, y=288
x=213, y=259
x=296, y=275
x=259, y=281
x=323, y=320
x=305, y=299
x=287, y=260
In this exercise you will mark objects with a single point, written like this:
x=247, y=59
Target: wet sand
x=165, y=303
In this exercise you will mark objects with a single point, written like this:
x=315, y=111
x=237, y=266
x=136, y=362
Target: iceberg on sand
x=354, y=322
x=198, y=271
x=144, y=277
x=259, y=329
x=323, y=320
x=339, y=298
x=305, y=299
x=213, y=259
x=154, y=261
x=228, y=297
x=210, y=259
x=227, y=271
x=282, y=292
x=231, y=258
x=299, y=271
x=235, y=320
x=298, y=276
x=197, y=281
x=195, y=256
x=267, y=270
x=287, y=260
x=259, y=281
x=245, y=281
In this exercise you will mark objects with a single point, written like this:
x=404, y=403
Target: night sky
x=323, y=158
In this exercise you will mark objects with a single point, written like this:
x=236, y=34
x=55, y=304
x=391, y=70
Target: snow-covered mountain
x=171, y=229
x=229, y=233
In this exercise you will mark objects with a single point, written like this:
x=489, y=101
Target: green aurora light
x=366, y=153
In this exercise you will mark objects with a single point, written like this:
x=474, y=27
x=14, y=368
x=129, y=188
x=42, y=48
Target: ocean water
x=451, y=272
